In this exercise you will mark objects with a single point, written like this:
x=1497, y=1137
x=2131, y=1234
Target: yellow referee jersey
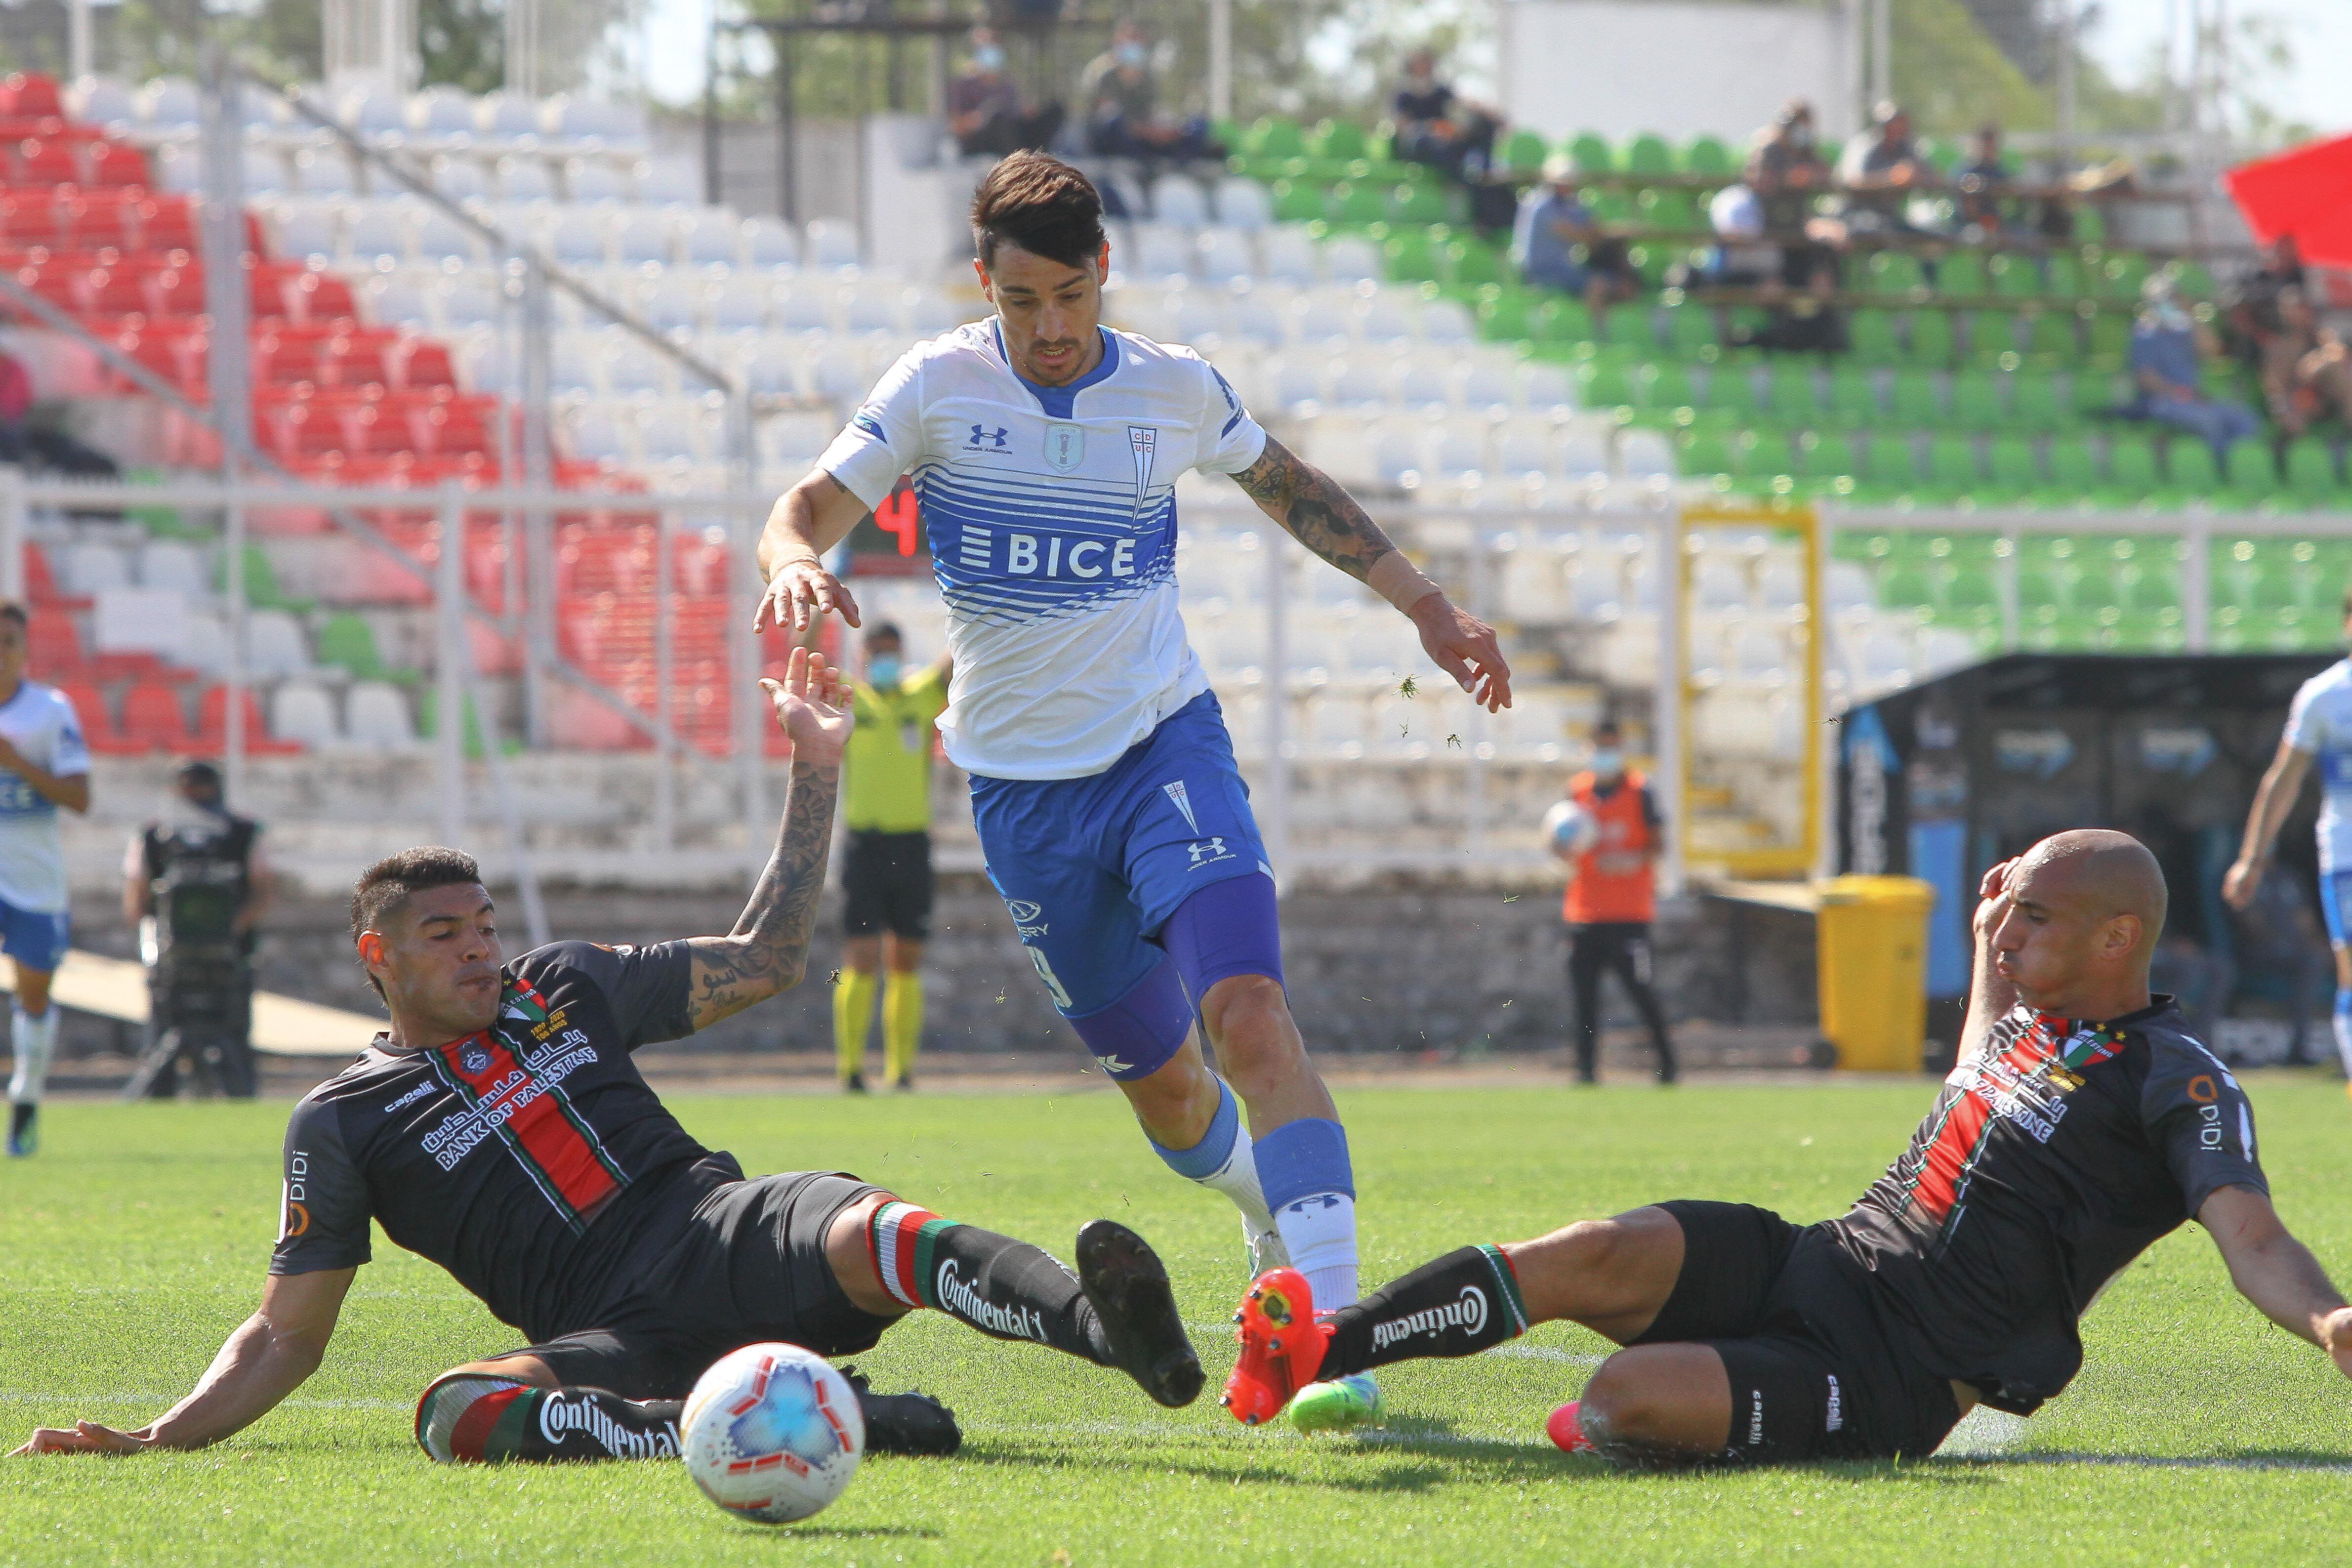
x=887, y=776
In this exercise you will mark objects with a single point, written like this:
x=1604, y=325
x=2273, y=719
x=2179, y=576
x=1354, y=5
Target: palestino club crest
x=475, y=1057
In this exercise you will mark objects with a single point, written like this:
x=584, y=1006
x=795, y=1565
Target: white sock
x=2344, y=1029
x=1319, y=1231
x=1237, y=1179
x=30, y=1039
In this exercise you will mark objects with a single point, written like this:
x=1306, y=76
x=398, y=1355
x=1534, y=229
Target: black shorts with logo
x=749, y=1266
x=886, y=882
x=1816, y=1368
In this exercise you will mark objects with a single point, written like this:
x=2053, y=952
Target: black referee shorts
x=885, y=879
x=1816, y=1371
x=750, y=1266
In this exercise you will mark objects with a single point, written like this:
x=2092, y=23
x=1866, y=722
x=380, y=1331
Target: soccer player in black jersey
x=2082, y=1123
x=501, y=1129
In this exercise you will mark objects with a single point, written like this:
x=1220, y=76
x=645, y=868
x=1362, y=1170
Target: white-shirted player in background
x=1044, y=449
x=2318, y=726
x=44, y=764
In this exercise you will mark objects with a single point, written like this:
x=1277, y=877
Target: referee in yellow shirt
x=886, y=875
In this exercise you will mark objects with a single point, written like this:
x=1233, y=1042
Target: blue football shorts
x=2336, y=905
x=36, y=939
x=1091, y=869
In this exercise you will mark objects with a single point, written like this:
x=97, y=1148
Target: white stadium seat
x=303, y=713
x=275, y=648
x=376, y=715
x=1243, y=204
x=1178, y=201
x=831, y=243
x=767, y=243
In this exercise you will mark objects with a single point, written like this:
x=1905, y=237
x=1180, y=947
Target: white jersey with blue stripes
x=1051, y=516
x=40, y=723
x=2320, y=723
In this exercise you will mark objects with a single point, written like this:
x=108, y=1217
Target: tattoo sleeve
x=1313, y=510
x=768, y=951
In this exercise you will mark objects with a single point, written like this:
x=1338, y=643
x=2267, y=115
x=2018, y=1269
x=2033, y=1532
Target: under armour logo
x=1206, y=851
x=981, y=433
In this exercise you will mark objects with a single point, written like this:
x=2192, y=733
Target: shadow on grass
x=790, y=1532
x=2243, y=1460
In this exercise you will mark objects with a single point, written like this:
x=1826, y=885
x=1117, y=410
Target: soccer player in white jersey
x=44, y=764
x=1044, y=449
x=2318, y=726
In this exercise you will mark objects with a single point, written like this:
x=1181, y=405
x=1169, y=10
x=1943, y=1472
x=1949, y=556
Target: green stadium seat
x=2034, y=404
x=1894, y=272
x=1961, y=274
x=1350, y=205
x=2074, y=476
x=1942, y=154
x=1708, y=155
x=1610, y=206
x=1296, y=201
x=2194, y=280
x=2311, y=473
x=1648, y=153
x=1827, y=455
x=1908, y=587
x=2132, y=473
x=1651, y=261
x=1602, y=383
x=1506, y=314
x=1590, y=153
x=1662, y=207
x=2090, y=225
x=1991, y=334
x=1932, y=341
x=1628, y=327
x=2189, y=469
x=1420, y=203
x=2095, y=396
x=1952, y=465
x=261, y=589
x=1340, y=139
x=1690, y=330
x=1731, y=389
x=2053, y=333
x=1763, y=454
x=1561, y=320
x=1792, y=400
x=2011, y=468
x=1891, y=461
x=2249, y=477
x=1977, y=400
x=1409, y=257
x=1524, y=152
x=2122, y=275
x=2015, y=277
x=1275, y=137
x=1703, y=452
x=1471, y=263
x=1873, y=336
x=1853, y=398
x=1664, y=384
x=346, y=639
x=1915, y=400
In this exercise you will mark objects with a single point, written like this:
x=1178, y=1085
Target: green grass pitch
x=2197, y=1434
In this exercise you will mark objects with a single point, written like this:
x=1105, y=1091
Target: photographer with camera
x=195, y=884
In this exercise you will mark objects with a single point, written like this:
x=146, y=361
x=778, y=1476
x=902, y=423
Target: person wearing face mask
x=1121, y=93
x=1612, y=899
x=2168, y=347
x=1786, y=172
x=986, y=113
x=1437, y=126
x=886, y=875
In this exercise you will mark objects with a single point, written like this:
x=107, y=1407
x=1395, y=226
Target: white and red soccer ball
x=772, y=1433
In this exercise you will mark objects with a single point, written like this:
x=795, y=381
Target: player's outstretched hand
x=2338, y=1330
x=1465, y=648
x=802, y=593
x=82, y=1437
x=813, y=705
x=2241, y=882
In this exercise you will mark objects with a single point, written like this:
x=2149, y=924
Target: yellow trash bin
x=1872, y=938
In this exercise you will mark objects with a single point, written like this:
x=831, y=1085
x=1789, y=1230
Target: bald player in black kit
x=2082, y=1123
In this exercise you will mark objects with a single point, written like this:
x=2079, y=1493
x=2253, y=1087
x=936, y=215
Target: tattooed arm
x=1313, y=510
x=768, y=949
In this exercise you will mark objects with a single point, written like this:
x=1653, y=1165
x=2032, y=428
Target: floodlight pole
x=226, y=299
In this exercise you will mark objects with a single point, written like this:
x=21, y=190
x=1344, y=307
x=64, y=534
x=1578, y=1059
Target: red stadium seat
x=110, y=163
x=153, y=719
x=44, y=161
x=212, y=730
x=31, y=92
x=98, y=725
x=54, y=647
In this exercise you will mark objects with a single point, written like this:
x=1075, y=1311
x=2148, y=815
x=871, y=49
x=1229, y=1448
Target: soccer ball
x=1570, y=829
x=772, y=1433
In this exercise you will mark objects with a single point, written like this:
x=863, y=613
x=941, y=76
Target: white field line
x=296, y=1403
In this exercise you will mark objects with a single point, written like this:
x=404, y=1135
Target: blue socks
x=1224, y=1161
x=1310, y=1186
x=2344, y=1028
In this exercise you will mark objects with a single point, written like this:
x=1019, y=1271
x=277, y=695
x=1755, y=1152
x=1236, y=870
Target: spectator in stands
x=1744, y=255
x=1984, y=181
x=1880, y=171
x=2168, y=348
x=1785, y=170
x=2252, y=319
x=33, y=446
x=986, y=113
x=1439, y=127
x=2307, y=371
x=1553, y=224
x=1802, y=316
x=1122, y=97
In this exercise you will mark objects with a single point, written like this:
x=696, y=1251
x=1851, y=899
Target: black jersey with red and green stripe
x=531, y=1161
x=2052, y=1159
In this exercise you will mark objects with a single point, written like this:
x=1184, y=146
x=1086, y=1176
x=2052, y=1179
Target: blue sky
x=2318, y=91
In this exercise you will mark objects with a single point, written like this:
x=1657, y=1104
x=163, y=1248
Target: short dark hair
x=14, y=610
x=886, y=629
x=1606, y=727
x=1037, y=201
x=386, y=885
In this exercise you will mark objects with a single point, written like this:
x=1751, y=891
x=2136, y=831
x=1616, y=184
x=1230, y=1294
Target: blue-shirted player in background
x=44, y=764
x=2318, y=726
x=1044, y=449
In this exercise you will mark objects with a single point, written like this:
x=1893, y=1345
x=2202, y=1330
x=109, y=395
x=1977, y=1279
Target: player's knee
x=1620, y=1409
x=1257, y=1043
x=850, y=1253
